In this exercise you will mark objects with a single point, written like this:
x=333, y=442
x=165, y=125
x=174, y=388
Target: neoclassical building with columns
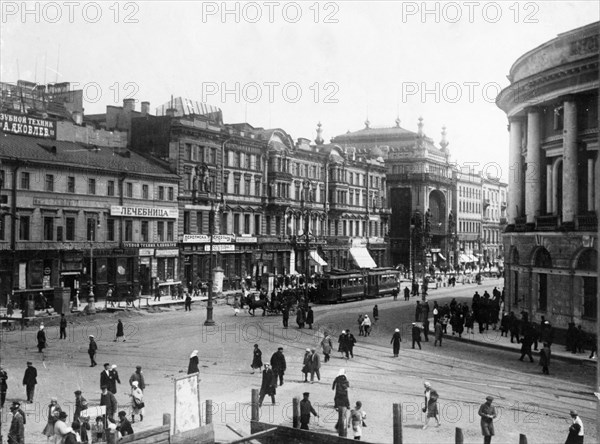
x=551, y=240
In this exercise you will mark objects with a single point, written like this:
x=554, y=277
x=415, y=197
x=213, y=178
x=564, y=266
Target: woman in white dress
x=137, y=401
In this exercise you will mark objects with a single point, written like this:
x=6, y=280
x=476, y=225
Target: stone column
x=549, y=189
x=533, y=174
x=515, y=176
x=569, y=194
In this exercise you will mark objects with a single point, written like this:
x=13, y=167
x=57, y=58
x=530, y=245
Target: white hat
x=308, y=349
x=134, y=383
x=91, y=336
x=194, y=353
x=114, y=366
x=427, y=384
x=397, y=331
x=341, y=372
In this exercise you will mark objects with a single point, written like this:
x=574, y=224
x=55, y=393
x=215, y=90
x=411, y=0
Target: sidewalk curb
x=497, y=346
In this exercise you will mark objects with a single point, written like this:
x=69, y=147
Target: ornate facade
x=551, y=239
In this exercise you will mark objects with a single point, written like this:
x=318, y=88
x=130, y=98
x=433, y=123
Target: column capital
x=516, y=119
x=533, y=109
x=567, y=98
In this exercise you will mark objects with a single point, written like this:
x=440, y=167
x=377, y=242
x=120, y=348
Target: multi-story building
x=72, y=204
x=278, y=207
x=551, y=241
x=494, y=193
x=420, y=187
x=469, y=235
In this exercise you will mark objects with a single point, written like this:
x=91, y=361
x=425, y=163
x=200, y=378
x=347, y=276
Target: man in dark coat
x=286, y=315
x=188, y=302
x=526, y=344
x=16, y=434
x=108, y=399
x=30, y=380
x=3, y=386
x=120, y=331
x=92, y=348
x=124, y=426
x=350, y=343
x=341, y=385
x=63, y=326
x=306, y=409
x=268, y=386
x=105, y=376
x=310, y=317
x=139, y=377
x=279, y=365
x=41, y=339
x=81, y=404
x=416, y=335
x=406, y=294
x=487, y=412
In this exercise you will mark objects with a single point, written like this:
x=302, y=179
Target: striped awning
x=362, y=257
x=318, y=259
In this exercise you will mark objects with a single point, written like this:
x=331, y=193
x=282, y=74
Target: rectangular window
x=236, y=185
x=70, y=184
x=247, y=186
x=110, y=188
x=24, y=227
x=268, y=225
x=110, y=230
x=212, y=155
x=278, y=225
x=129, y=188
x=70, y=229
x=257, y=224
x=246, y=224
x=24, y=180
x=160, y=230
x=129, y=230
x=170, y=231
x=145, y=193
x=236, y=224
x=144, y=230
x=91, y=186
x=199, y=222
x=91, y=229
x=257, y=188
x=48, y=228
x=170, y=193
x=49, y=182
x=590, y=301
x=186, y=222
x=161, y=193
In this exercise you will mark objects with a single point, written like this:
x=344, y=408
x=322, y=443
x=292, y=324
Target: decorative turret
x=367, y=123
x=420, y=126
x=444, y=141
x=397, y=122
x=319, y=140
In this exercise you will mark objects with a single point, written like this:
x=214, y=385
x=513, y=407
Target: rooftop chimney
x=128, y=105
x=78, y=117
x=145, y=108
x=171, y=112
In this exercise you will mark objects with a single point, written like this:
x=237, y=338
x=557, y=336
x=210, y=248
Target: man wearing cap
x=268, y=385
x=81, y=404
x=314, y=365
x=16, y=434
x=30, y=380
x=139, y=377
x=416, y=335
x=487, y=412
x=124, y=426
x=575, y=430
x=279, y=365
x=306, y=364
x=108, y=399
x=306, y=409
x=92, y=349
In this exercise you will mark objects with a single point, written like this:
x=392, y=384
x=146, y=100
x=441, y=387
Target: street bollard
x=209, y=412
x=522, y=439
x=458, y=436
x=296, y=412
x=397, y=412
x=254, y=405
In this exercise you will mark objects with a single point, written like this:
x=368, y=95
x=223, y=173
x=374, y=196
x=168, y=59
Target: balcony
x=520, y=224
x=547, y=223
x=586, y=222
x=275, y=200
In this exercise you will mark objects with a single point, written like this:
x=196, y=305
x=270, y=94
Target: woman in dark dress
x=256, y=359
x=396, y=342
x=193, y=365
x=341, y=385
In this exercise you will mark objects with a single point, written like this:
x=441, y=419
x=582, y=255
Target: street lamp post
x=91, y=296
x=209, y=305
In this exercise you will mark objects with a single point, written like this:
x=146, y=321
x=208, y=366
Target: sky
x=291, y=65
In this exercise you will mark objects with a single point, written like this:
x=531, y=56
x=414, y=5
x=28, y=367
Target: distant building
x=494, y=205
x=551, y=241
x=420, y=186
x=469, y=218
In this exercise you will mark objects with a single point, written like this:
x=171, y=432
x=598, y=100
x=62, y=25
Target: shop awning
x=464, y=258
x=473, y=258
x=362, y=257
x=441, y=256
x=318, y=259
